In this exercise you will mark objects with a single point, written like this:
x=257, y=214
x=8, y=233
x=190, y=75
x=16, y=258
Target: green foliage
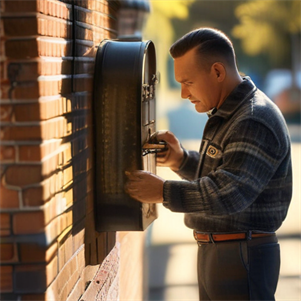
x=261, y=30
x=266, y=26
x=159, y=28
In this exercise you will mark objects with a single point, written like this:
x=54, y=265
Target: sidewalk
x=172, y=251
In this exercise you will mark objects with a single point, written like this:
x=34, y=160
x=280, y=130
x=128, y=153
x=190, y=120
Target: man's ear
x=219, y=71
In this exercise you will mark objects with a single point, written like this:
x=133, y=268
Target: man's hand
x=173, y=157
x=144, y=186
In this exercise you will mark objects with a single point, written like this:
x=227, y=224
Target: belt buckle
x=203, y=241
x=200, y=241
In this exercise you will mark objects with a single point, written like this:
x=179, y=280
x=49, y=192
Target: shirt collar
x=242, y=92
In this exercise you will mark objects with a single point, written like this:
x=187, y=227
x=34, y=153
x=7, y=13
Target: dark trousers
x=239, y=270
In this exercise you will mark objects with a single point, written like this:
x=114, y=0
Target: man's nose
x=184, y=92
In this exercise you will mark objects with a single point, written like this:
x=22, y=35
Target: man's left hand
x=144, y=186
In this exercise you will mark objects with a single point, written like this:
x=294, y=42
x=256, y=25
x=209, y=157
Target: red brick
x=90, y=203
x=20, y=175
x=62, y=66
x=8, y=198
x=20, y=48
x=80, y=189
x=48, y=7
x=6, y=112
x=14, y=26
x=78, y=238
x=58, y=225
x=36, y=89
x=3, y=69
x=86, y=276
x=42, y=192
x=8, y=253
x=36, y=196
x=89, y=32
x=83, y=83
x=34, y=278
x=1, y=28
x=34, y=297
x=42, y=110
x=86, y=4
x=37, y=25
x=52, y=270
x=30, y=253
x=55, y=28
x=67, y=175
x=6, y=279
x=7, y=154
x=5, y=226
x=5, y=91
x=84, y=65
x=60, y=288
x=104, y=278
x=2, y=47
x=22, y=112
x=98, y=5
x=56, y=206
x=90, y=239
x=37, y=152
x=95, y=18
x=30, y=153
x=29, y=70
x=85, y=48
x=68, y=194
x=56, y=9
x=45, y=130
x=20, y=132
x=65, y=251
x=28, y=222
x=20, y=6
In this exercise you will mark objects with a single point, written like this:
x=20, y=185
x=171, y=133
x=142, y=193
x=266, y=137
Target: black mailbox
x=124, y=119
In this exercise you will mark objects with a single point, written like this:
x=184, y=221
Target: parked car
x=285, y=90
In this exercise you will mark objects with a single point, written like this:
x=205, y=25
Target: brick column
x=47, y=215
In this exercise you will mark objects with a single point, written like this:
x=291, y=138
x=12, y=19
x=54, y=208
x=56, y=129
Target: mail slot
x=124, y=106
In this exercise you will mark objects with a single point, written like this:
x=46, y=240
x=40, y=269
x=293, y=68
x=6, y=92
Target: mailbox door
x=124, y=118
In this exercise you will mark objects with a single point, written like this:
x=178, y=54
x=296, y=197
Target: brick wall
x=49, y=249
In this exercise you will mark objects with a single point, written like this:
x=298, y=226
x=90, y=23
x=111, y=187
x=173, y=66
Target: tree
x=160, y=30
x=267, y=27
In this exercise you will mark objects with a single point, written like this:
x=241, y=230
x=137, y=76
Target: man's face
x=197, y=84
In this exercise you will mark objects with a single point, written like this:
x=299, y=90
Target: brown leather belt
x=203, y=237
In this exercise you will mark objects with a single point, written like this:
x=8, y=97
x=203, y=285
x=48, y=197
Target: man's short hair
x=212, y=45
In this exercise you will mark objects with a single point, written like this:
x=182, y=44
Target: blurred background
x=266, y=37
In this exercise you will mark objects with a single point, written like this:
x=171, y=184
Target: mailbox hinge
x=148, y=91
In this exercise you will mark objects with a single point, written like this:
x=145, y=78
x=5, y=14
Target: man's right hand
x=174, y=154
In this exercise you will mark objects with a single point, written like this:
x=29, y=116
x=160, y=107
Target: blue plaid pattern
x=242, y=177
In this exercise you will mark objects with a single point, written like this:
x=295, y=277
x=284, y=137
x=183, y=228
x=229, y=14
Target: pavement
x=172, y=249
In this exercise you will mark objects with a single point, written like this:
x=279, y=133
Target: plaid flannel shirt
x=241, y=179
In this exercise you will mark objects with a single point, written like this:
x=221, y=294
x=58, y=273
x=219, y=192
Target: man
x=238, y=187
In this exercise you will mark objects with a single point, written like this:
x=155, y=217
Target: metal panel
x=124, y=118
